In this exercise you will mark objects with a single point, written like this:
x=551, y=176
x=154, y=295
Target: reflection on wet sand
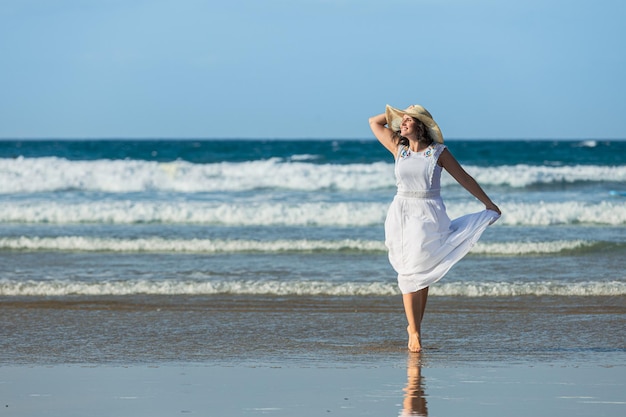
x=414, y=396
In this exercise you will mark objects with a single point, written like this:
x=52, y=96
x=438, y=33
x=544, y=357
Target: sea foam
x=216, y=246
x=10, y=288
x=341, y=214
x=52, y=174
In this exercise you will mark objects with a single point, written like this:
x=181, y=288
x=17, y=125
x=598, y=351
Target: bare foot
x=415, y=344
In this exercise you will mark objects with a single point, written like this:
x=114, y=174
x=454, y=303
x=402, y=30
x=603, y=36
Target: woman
x=423, y=242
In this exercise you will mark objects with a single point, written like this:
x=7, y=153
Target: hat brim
x=394, y=119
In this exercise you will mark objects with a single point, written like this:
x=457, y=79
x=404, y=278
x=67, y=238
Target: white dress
x=423, y=242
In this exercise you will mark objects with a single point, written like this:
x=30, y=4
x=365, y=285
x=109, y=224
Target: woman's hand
x=493, y=207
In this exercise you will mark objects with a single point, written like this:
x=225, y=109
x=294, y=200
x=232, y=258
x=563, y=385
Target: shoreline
x=351, y=330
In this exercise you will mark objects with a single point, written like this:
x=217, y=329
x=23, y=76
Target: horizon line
x=6, y=139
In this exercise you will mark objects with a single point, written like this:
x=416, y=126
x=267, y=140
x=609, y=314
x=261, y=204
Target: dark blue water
x=474, y=152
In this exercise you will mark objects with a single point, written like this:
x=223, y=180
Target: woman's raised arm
x=384, y=135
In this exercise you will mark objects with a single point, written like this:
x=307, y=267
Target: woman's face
x=408, y=127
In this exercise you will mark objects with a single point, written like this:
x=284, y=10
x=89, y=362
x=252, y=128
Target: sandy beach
x=488, y=389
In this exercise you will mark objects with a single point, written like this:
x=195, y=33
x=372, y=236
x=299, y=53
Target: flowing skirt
x=423, y=242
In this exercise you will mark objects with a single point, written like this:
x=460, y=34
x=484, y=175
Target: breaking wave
x=52, y=174
x=209, y=246
x=291, y=214
x=303, y=288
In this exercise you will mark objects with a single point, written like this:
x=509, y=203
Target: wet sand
x=309, y=330
x=377, y=389
x=240, y=356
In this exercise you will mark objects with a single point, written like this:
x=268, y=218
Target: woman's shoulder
x=438, y=149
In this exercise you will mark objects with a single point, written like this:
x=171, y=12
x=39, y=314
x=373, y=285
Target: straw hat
x=394, y=118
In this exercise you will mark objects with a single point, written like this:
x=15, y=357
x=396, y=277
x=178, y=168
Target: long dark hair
x=422, y=135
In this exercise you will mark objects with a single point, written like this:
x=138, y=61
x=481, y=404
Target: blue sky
x=310, y=68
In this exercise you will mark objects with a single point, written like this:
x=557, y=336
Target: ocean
x=265, y=251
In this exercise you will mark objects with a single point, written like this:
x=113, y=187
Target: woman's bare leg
x=414, y=307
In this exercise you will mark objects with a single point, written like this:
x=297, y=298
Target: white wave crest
x=171, y=287
x=123, y=176
x=51, y=174
x=291, y=214
x=303, y=288
x=230, y=214
x=562, y=213
x=519, y=176
x=158, y=244
x=516, y=289
x=529, y=248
